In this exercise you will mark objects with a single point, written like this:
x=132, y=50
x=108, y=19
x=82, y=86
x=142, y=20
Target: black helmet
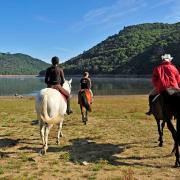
x=55, y=60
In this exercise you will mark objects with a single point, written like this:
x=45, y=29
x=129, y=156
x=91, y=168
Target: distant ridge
x=135, y=50
x=20, y=64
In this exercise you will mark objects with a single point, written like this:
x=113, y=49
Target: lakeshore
x=9, y=75
x=93, y=75
x=119, y=142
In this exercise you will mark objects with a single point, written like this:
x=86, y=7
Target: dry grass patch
x=119, y=142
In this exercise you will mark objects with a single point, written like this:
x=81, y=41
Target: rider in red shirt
x=165, y=78
x=165, y=75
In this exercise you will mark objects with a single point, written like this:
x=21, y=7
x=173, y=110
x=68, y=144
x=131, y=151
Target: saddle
x=172, y=91
x=85, y=99
x=61, y=90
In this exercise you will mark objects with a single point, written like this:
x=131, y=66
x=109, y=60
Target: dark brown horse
x=173, y=109
x=157, y=113
x=85, y=105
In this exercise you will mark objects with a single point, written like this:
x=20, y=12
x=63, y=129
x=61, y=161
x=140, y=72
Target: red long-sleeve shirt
x=165, y=76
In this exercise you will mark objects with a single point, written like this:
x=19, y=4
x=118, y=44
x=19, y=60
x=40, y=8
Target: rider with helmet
x=85, y=83
x=55, y=79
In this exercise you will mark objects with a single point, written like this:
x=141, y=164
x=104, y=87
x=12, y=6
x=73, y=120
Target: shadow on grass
x=35, y=122
x=85, y=150
x=89, y=151
x=7, y=142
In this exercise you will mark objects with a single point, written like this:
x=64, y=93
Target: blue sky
x=65, y=28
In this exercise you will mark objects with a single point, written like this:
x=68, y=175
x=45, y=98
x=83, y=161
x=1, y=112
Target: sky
x=66, y=28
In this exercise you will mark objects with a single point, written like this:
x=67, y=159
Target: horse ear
x=70, y=81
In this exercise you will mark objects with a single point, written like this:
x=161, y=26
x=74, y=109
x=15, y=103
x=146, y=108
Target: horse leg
x=162, y=127
x=172, y=129
x=173, y=133
x=86, y=115
x=60, y=134
x=42, y=131
x=177, y=142
x=177, y=162
x=47, y=129
x=160, y=133
x=174, y=148
x=82, y=113
x=162, y=130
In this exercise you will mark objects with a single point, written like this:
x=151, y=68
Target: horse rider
x=165, y=79
x=85, y=83
x=55, y=79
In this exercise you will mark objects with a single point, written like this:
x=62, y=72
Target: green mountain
x=135, y=50
x=20, y=64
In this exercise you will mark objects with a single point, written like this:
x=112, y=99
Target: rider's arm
x=47, y=76
x=62, y=77
x=155, y=78
x=177, y=75
x=80, y=84
x=89, y=83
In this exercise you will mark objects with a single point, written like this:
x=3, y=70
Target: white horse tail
x=44, y=114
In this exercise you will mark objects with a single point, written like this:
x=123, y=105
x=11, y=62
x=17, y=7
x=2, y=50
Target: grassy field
x=119, y=142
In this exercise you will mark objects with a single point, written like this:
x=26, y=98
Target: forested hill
x=134, y=50
x=20, y=64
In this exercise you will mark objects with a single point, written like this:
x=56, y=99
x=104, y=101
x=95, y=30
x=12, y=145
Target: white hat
x=167, y=57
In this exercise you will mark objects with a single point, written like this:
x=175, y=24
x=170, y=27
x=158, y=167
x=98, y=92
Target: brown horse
x=157, y=113
x=173, y=109
x=85, y=105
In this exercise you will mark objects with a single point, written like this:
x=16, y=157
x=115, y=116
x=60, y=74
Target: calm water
x=101, y=86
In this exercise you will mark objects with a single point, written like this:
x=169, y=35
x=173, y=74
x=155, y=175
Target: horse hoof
x=160, y=145
x=58, y=142
x=42, y=152
x=177, y=165
x=173, y=151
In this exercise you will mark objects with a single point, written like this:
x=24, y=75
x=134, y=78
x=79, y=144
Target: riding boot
x=151, y=97
x=150, y=111
x=69, y=110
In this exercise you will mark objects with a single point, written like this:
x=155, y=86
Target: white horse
x=51, y=107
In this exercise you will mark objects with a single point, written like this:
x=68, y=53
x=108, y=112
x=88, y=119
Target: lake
x=29, y=86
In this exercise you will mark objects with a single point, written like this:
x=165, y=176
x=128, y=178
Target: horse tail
x=44, y=114
x=85, y=101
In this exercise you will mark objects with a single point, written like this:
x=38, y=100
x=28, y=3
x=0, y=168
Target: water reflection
x=121, y=86
x=101, y=86
x=20, y=85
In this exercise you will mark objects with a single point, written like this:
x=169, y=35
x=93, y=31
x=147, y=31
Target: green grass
x=1, y=170
x=118, y=142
